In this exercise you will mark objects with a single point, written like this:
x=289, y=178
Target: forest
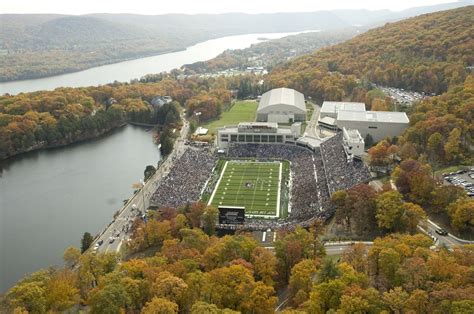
x=428, y=54
x=45, y=119
x=431, y=54
x=176, y=267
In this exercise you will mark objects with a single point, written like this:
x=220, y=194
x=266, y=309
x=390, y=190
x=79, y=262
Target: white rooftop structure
x=282, y=105
x=331, y=108
x=201, y=131
x=353, y=142
x=373, y=116
x=379, y=124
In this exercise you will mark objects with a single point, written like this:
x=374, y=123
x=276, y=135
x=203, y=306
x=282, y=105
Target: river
x=48, y=199
x=127, y=70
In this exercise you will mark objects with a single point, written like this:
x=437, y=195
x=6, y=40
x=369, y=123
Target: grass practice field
x=254, y=185
x=240, y=111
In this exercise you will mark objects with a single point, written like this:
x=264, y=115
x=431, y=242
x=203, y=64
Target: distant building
x=353, y=143
x=331, y=108
x=201, y=131
x=257, y=132
x=281, y=105
x=379, y=124
x=159, y=101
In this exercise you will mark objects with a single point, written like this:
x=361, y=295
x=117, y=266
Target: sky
x=201, y=6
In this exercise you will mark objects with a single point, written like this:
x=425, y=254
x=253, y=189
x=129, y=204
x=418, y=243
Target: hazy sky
x=200, y=6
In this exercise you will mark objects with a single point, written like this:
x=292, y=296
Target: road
x=311, y=129
x=430, y=227
x=115, y=234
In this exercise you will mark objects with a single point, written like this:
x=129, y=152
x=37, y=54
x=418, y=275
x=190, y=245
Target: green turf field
x=240, y=111
x=254, y=185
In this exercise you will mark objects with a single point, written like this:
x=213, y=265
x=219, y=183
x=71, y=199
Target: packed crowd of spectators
x=186, y=179
x=309, y=193
x=314, y=177
x=342, y=174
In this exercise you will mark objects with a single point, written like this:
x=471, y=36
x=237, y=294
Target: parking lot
x=463, y=179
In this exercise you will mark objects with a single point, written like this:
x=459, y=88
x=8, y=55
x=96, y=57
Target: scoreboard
x=232, y=215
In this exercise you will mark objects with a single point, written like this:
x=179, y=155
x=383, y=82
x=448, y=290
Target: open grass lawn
x=241, y=111
x=254, y=185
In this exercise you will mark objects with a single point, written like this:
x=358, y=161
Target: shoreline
x=62, y=145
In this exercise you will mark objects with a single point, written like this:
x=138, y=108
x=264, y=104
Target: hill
x=38, y=45
x=431, y=53
x=426, y=54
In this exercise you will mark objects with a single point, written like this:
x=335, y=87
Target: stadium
x=265, y=174
x=277, y=185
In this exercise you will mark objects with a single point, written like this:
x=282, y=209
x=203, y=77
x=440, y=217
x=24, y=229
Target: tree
x=112, y=298
x=389, y=209
x=71, y=256
x=379, y=154
x=29, y=295
x=262, y=299
x=396, y=299
x=369, y=141
x=209, y=220
x=301, y=279
x=412, y=216
x=417, y=301
x=169, y=286
x=149, y=172
x=228, y=286
x=292, y=247
x=462, y=214
x=354, y=255
x=204, y=308
x=160, y=305
x=435, y=147
x=86, y=241
x=445, y=195
x=328, y=271
x=264, y=263
x=452, y=145
x=61, y=291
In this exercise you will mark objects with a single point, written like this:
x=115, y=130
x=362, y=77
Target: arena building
x=379, y=124
x=281, y=105
x=257, y=132
x=331, y=108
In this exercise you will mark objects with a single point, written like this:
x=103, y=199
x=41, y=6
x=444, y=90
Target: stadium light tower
x=198, y=114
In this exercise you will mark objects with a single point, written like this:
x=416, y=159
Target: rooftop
x=258, y=124
x=375, y=116
x=352, y=134
x=285, y=96
x=335, y=106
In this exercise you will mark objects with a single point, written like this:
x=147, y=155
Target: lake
x=50, y=198
x=127, y=70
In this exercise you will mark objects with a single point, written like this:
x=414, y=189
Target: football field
x=253, y=185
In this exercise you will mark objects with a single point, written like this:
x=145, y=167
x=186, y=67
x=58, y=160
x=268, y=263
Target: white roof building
x=379, y=124
x=257, y=132
x=282, y=105
x=331, y=108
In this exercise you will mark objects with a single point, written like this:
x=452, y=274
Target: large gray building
x=331, y=108
x=281, y=105
x=379, y=124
